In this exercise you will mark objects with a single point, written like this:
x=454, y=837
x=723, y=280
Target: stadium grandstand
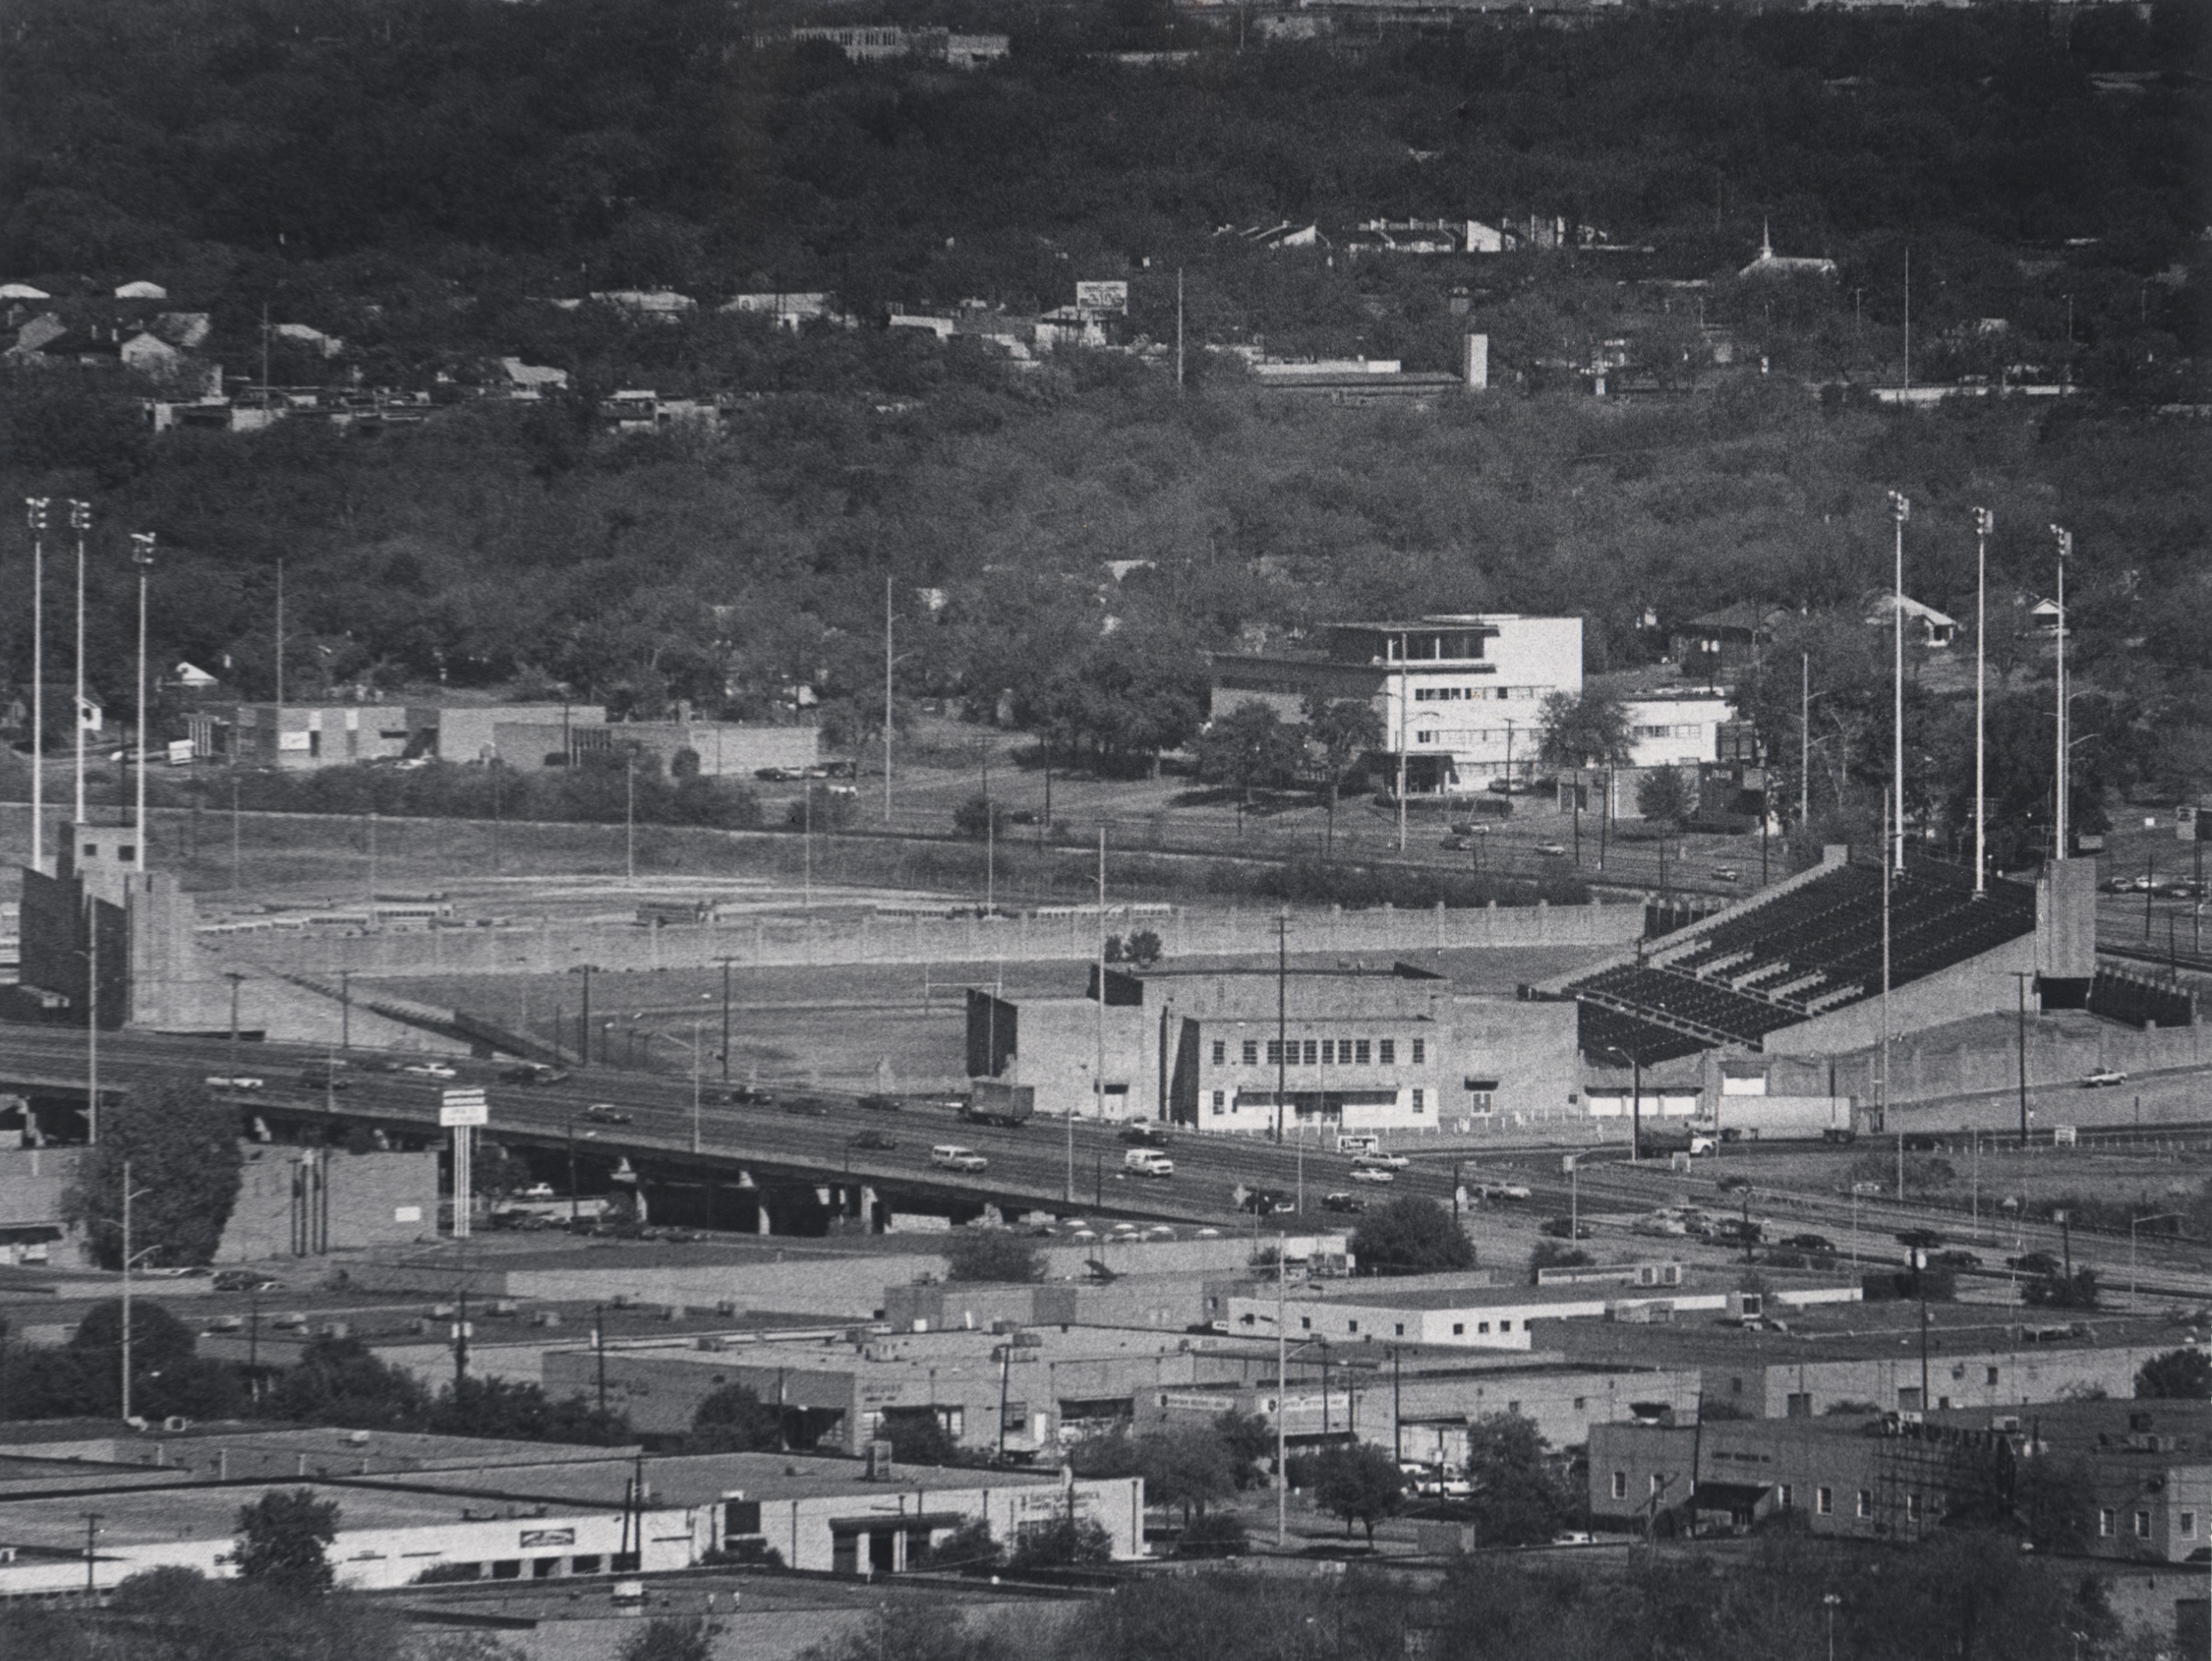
x=1756, y=974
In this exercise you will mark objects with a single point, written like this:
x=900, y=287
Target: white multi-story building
x=1460, y=697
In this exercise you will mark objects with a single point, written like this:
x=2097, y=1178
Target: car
x=776, y=775
x=1665, y=1227
x=1265, y=1201
x=1564, y=1228
x=1147, y=1162
x=604, y=1113
x=1504, y=1191
x=235, y=1082
x=1373, y=1173
x=533, y=1072
x=1145, y=1136
x=1727, y=874
x=1444, y=1487
x=878, y=1103
x=2104, y=1078
x=1869, y=1189
x=2036, y=1263
x=1820, y=1243
x=1956, y=1259
x=872, y=1141
x=243, y=1279
x=537, y=1191
x=2184, y=890
x=807, y=1107
x=1733, y=1184
x=1375, y=1158
x=744, y=1095
x=429, y=1070
x=1553, y=850
x=1456, y=844
x=951, y=1156
x=1352, y=1204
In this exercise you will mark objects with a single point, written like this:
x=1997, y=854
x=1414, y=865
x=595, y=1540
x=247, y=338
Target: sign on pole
x=463, y=1108
x=1108, y=297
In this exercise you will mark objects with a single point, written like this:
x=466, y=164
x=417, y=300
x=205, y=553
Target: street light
x=2062, y=780
x=1900, y=508
x=1985, y=523
x=1830, y=1601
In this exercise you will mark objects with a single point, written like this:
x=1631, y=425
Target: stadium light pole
x=1900, y=509
x=34, y=511
x=1404, y=684
x=142, y=555
x=2060, y=782
x=1984, y=523
x=80, y=521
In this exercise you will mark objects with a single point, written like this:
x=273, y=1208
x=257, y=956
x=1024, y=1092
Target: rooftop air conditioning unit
x=176, y=1424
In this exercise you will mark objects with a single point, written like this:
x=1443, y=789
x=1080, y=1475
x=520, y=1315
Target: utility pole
x=1984, y=523
x=1403, y=686
x=1282, y=1019
x=125, y=1344
x=886, y=700
x=1282, y=1394
x=280, y=635
x=1178, y=328
x=599, y=1348
x=2021, y=978
x=35, y=512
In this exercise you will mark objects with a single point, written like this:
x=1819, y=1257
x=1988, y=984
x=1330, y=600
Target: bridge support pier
x=761, y=1220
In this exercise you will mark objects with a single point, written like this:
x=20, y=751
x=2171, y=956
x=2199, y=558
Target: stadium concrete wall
x=1980, y=985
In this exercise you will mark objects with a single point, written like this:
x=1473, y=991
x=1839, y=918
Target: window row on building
x=1322, y=1052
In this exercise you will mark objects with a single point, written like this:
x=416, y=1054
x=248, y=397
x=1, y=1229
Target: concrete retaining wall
x=850, y=936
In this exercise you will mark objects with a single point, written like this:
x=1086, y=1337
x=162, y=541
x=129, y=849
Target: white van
x=951, y=1156
x=1147, y=1162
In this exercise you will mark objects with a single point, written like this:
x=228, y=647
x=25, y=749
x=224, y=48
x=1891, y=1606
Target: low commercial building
x=304, y=735
x=2145, y=1466
x=546, y=1513
x=1503, y=1317
x=1870, y=1356
x=1349, y=1050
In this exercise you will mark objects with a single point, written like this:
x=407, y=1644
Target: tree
x=734, y=1420
x=970, y=1546
x=1518, y=1501
x=508, y=1410
x=1360, y=1483
x=1343, y=729
x=1248, y=747
x=2061, y=1291
x=1249, y=1441
x=1663, y=797
x=165, y=1376
x=1410, y=1236
x=918, y=1436
x=284, y=1538
x=340, y=1382
x=495, y=1173
x=2178, y=1375
x=1186, y=1467
x=991, y=1255
x=1554, y=1254
x=1065, y=1542
x=670, y=1637
x=182, y=1148
x=978, y=817
x=1588, y=729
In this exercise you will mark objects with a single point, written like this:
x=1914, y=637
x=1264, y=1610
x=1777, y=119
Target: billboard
x=1110, y=297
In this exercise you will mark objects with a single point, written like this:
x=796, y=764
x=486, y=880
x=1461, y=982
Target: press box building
x=1352, y=1050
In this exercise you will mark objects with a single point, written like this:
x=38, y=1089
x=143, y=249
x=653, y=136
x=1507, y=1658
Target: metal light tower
x=80, y=521
x=142, y=555
x=1900, y=509
x=2060, y=782
x=34, y=512
x=1984, y=523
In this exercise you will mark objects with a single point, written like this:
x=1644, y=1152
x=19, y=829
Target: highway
x=1029, y=1167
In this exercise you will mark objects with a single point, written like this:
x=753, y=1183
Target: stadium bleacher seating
x=1815, y=947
